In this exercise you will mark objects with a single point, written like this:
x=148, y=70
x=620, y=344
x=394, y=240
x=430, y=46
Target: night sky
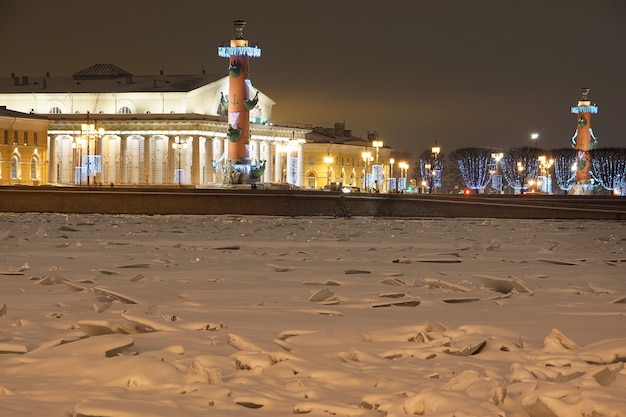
x=461, y=72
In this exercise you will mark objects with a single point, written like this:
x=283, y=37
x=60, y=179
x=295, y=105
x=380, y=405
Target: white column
x=123, y=168
x=208, y=160
x=147, y=160
x=266, y=154
x=195, y=159
x=171, y=160
x=225, y=149
x=300, y=174
x=278, y=163
x=52, y=160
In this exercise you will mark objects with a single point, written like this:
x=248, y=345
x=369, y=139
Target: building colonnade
x=155, y=152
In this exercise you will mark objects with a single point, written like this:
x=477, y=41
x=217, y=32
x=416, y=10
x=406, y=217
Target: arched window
x=124, y=110
x=33, y=168
x=311, y=180
x=15, y=165
x=55, y=110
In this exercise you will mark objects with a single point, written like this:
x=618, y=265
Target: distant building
x=333, y=157
x=23, y=148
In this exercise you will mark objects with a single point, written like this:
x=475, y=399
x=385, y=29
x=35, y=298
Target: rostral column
x=239, y=103
x=584, y=140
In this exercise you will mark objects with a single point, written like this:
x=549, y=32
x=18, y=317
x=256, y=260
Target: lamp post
x=377, y=170
x=328, y=160
x=544, y=171
x=377, y=144
x=178, y=146
x=391, y=162
x=404, y=167
x=535, y=136
x=497, y=156
x=367, y=157
x=428, y=181
x=77, y=146
x=88, y=130
x=521, y=171
x=436, y=149
x=435, y=173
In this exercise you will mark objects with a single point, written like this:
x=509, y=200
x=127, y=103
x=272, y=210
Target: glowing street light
x=404, y=167
x=377, y=144
x=522, y=174
x=77, y=146
x=367, y=158
x=535, y=136
x=328, y=160
x=436, y=150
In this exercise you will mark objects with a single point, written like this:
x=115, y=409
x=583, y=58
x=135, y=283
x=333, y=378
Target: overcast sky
x=461, y=72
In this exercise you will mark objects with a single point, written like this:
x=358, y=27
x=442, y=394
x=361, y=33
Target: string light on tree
x=565, y=171
x=476, y=166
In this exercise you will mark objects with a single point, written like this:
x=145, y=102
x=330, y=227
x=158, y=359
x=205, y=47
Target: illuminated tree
x=520, y=165
x=476, y=166
x=565, y=168
x=608, y=167
x=431, y=168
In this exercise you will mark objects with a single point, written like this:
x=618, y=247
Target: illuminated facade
x=110, y=127
x=333, y=156
x=157, y=129
x=23, y=148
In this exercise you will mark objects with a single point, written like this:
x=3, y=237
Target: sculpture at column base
x=241, y=171
x=256, y=172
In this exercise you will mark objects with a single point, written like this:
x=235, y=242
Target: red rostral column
x=239, y=103
x=584, y=140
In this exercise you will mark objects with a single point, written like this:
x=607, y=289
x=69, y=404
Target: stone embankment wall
x=155, y=201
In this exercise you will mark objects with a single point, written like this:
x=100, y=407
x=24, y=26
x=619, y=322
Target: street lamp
x=178, y=146
x=436, y=149
x=328, y=160
x=544, y=172
x=435, y=168
x=77, y=146
x=535, y=136
x=88, y=130
x=522, y=175
x=404, y=168
x=367, y=158
x=377, y=144
x=497, y=156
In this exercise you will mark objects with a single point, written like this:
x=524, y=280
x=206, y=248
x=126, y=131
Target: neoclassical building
x=23, y=148
x=107, y=126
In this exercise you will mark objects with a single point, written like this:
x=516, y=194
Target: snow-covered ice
x=132, y=316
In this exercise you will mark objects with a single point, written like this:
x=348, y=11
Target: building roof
x=337, y=134
x=101, y=71
x=4, y=112
x=106, y=78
